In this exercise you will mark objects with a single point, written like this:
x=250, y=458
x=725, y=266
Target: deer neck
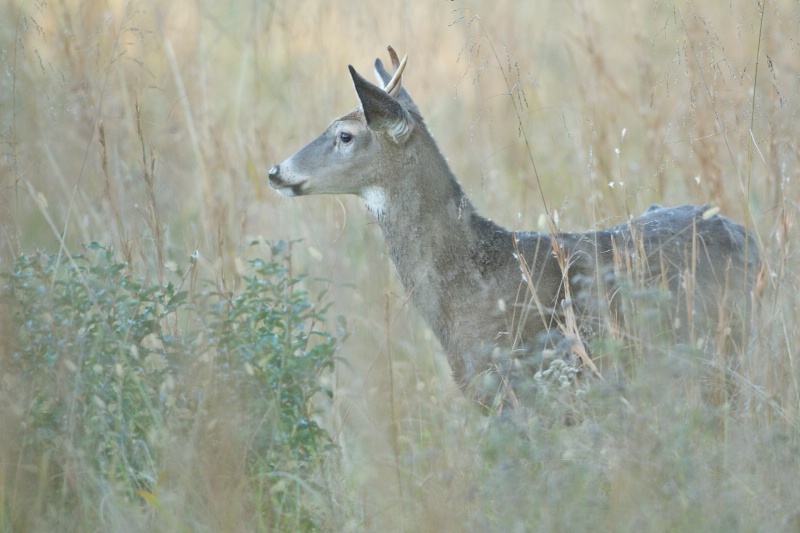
x=420, y=230
x=434, y=236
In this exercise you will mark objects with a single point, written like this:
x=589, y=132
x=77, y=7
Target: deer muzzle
x=283, y=186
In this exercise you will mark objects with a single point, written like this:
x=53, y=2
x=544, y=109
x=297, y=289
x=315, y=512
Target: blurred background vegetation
x=180, y=374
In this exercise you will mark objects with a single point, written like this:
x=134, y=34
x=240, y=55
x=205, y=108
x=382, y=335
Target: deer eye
x=345, y=137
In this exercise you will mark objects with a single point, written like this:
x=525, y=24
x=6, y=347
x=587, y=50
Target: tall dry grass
x=150, y=126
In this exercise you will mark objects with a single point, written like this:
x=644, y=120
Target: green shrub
x=265, y=340
x=89, y=389
x=98, y=362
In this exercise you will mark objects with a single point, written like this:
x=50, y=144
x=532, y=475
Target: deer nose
x=274, y=180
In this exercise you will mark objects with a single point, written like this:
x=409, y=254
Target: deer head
x=350, y=156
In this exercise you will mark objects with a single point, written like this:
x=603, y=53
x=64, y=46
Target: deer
x=501, y=303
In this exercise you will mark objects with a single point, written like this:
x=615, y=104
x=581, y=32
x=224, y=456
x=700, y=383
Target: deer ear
x=382, y=111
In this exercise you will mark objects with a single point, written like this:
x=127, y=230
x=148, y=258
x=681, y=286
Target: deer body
x=491, y=296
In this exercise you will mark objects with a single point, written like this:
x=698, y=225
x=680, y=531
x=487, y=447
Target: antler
x=396, y=83
x=393, y=55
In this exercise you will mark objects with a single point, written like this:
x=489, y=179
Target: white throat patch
x=374, y=200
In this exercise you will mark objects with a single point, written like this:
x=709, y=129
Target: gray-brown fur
x=465, y=273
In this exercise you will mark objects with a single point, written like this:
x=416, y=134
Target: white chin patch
x=374, y=200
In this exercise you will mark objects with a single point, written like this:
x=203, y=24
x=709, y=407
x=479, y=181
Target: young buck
x=502, y=302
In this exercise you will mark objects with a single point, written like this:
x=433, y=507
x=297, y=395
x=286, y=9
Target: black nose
x=274, y=177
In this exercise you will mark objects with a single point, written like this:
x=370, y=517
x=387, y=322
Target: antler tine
x=395, y=84
x=393, y=55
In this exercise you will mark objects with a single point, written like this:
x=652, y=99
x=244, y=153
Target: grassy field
x=149, y=127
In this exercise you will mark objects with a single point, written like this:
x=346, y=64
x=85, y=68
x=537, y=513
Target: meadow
x=183, y=350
